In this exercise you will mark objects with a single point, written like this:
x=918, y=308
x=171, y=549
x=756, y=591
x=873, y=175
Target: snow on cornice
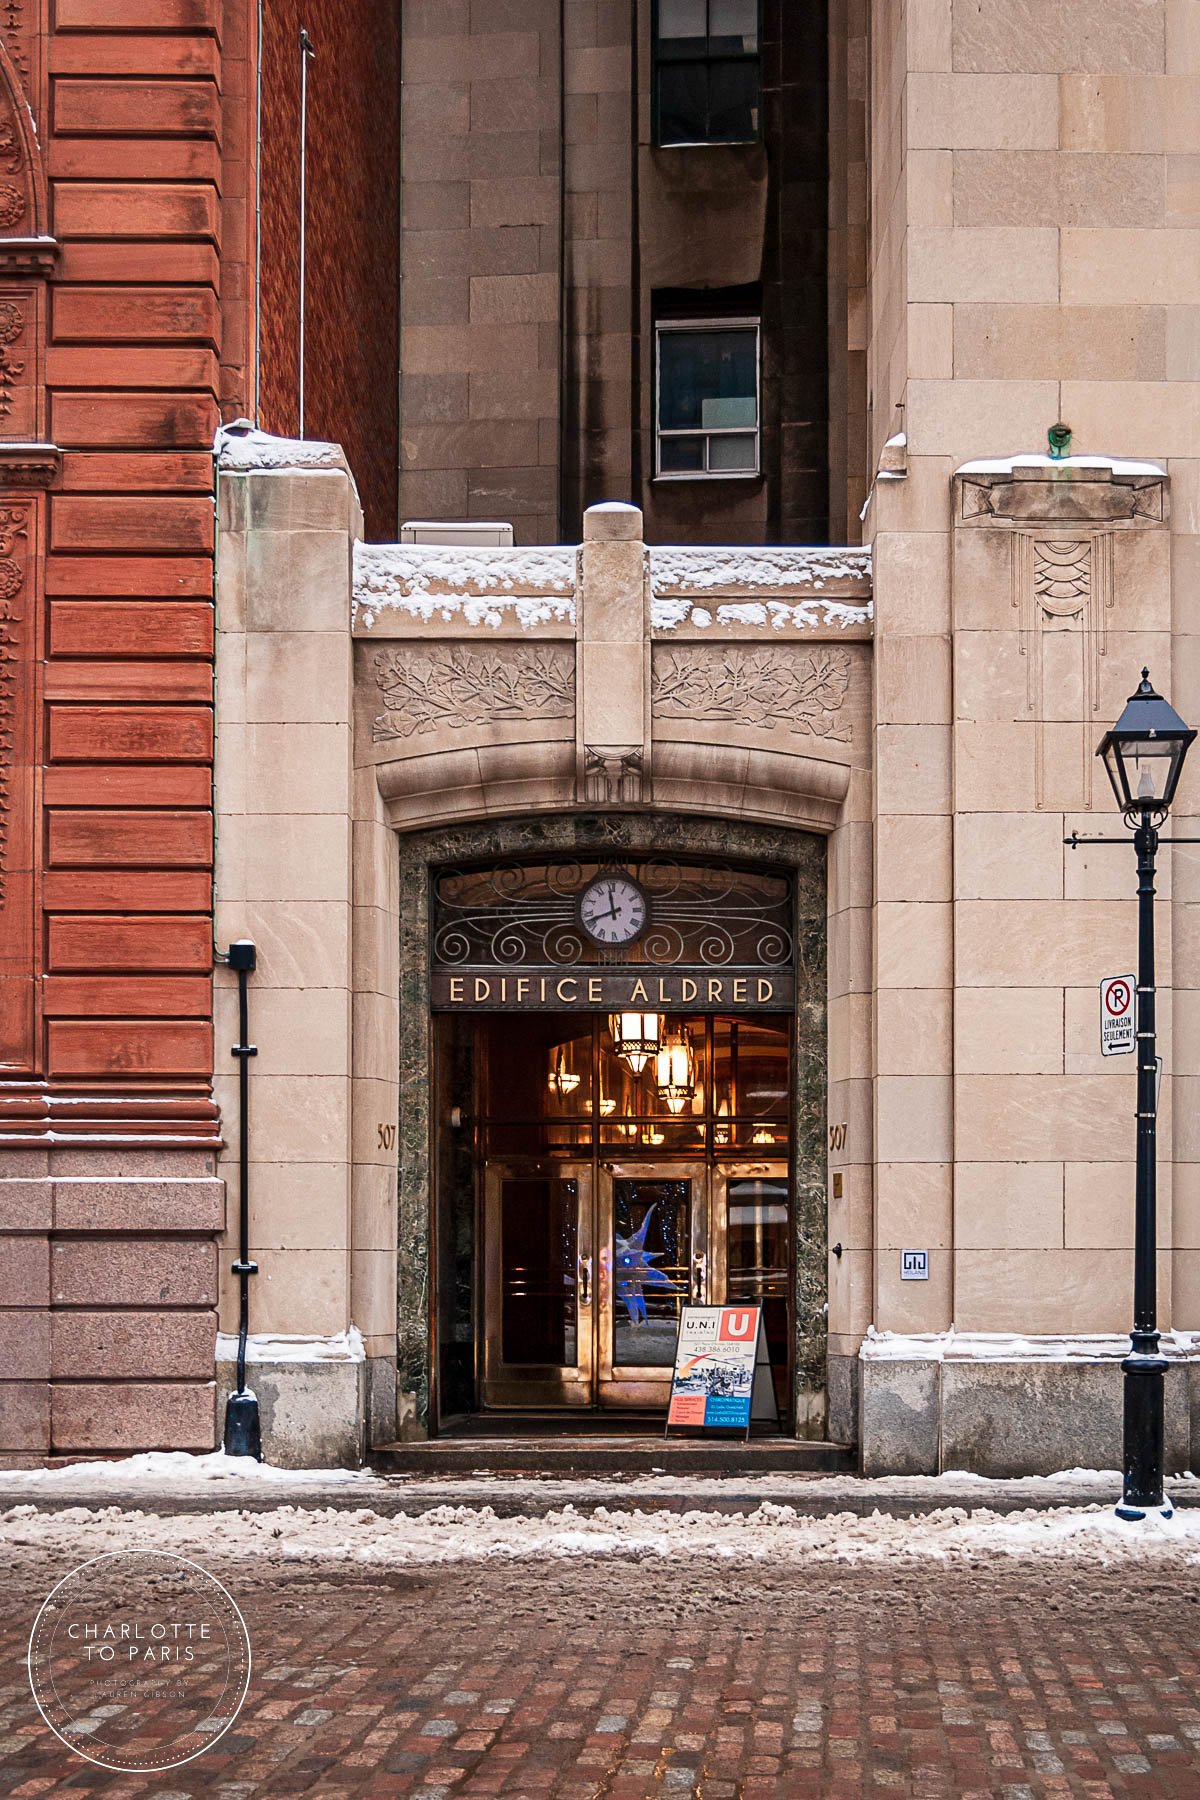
x=751, y=585
x=493, y=585
x=498, y=586
x=241, y=448
x=1008, y=465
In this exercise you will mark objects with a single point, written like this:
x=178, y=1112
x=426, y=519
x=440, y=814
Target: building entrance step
x=585, y=1453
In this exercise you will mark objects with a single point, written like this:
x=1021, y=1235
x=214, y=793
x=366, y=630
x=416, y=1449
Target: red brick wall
x=351, y=337
x=107, y=1128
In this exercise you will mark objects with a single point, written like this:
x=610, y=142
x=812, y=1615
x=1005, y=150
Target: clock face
x=612, y=909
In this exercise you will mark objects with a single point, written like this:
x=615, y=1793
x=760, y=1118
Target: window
x=706, y=72
x=707, y=398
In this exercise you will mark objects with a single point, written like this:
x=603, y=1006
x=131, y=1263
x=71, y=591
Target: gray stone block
x=313, y=1414
x=1029, y=1418
x=898, y=1418
x=842, y=1384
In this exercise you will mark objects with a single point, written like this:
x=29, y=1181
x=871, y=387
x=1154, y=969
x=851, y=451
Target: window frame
x=732, y=322
x=705, y=61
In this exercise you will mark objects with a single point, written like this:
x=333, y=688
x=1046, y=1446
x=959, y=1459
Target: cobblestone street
x=1011, y=1678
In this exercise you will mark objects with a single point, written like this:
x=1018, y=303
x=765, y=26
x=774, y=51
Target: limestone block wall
x=286, y=825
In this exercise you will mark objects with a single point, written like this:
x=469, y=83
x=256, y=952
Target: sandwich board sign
x=722, y=1375
x=1117, y=994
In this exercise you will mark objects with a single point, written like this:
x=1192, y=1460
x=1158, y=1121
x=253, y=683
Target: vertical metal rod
x=243, y=1435
x=307, y=52
x=1145, y=1366
x=243, y=1050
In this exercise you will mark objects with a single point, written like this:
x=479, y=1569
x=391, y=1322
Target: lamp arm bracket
x=1073, y=842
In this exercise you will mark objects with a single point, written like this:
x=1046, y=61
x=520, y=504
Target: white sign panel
x=1117, y=999
x=914, y=1265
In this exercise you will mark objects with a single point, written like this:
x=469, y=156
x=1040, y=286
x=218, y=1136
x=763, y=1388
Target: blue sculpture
x=635, y=1270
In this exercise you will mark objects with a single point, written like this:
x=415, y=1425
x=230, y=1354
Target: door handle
x=585, y=1281
x=700, y=1279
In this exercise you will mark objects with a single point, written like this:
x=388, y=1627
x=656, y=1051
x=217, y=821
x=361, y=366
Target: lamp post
x=1144, y=754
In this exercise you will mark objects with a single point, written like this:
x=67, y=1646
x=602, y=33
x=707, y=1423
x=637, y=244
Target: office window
x=706, y=72
x=707, y=397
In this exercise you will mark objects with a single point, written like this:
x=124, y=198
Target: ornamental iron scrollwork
x=701, y=916
x=451, y=688
x=759, y=689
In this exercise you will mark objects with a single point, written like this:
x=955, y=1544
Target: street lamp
x=1144, y=754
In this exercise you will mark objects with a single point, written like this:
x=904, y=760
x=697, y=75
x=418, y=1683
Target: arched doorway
x=620, y=1104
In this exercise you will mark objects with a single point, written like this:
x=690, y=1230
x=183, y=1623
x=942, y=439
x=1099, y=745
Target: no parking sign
x=1116, y=1015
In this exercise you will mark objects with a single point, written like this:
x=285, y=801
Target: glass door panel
x=754, y=1237
x=538, y=1301
x=652, y=1233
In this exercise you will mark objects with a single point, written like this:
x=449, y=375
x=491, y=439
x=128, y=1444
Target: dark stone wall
x=353, y=251
x=540, y=224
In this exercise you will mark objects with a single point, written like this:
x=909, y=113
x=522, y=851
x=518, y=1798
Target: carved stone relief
x=802, y=690
x=1062, y=592
x=614, y=775
x=452, y=687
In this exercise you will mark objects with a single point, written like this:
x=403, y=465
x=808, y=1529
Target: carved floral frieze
x=802, y=691
x=453, y=687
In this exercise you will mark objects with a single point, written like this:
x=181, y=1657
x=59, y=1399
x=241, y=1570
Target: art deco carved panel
x=451, y=688
x=801, y=691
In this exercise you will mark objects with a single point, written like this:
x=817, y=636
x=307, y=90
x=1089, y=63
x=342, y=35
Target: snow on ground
x=453, y=1535
x=167, y=1466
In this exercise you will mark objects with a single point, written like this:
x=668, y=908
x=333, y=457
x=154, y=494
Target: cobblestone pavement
x=632, y=1678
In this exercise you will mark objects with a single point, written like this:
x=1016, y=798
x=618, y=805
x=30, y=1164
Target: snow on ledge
x=172, y=1465
x=1000, y=1346
x=241, y=448
x=265, y=1347
x=535, y=585
x=1008, y=465
x=754, y=569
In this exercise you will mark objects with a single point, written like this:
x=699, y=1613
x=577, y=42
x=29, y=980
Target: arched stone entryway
x=612, y=835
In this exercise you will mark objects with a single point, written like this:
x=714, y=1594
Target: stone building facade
x=802, y=638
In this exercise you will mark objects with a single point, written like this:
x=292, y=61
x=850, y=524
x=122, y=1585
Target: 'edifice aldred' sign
x=590, y=990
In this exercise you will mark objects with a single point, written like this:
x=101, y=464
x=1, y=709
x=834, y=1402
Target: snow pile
x=1002, y=1346
x=262, y=1347
x=171, y=1466
x=535, y=585
x=774, y=1534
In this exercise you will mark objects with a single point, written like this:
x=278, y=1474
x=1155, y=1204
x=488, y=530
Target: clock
x=613, y=909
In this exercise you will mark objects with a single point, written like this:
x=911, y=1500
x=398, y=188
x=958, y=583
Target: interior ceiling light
x=636, y=1037
x=675, y=1071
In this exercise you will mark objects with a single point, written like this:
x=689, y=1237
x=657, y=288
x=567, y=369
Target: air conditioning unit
x=474, y=534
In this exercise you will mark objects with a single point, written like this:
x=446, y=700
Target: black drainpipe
x=243, y=1433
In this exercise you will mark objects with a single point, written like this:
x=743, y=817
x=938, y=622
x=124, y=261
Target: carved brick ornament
x=451, y=688
x=756, y=689
x=14, y=530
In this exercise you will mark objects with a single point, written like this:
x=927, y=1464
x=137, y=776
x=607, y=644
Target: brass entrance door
x=539, y=1287
x=654, y=1249
x=584, y=1277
